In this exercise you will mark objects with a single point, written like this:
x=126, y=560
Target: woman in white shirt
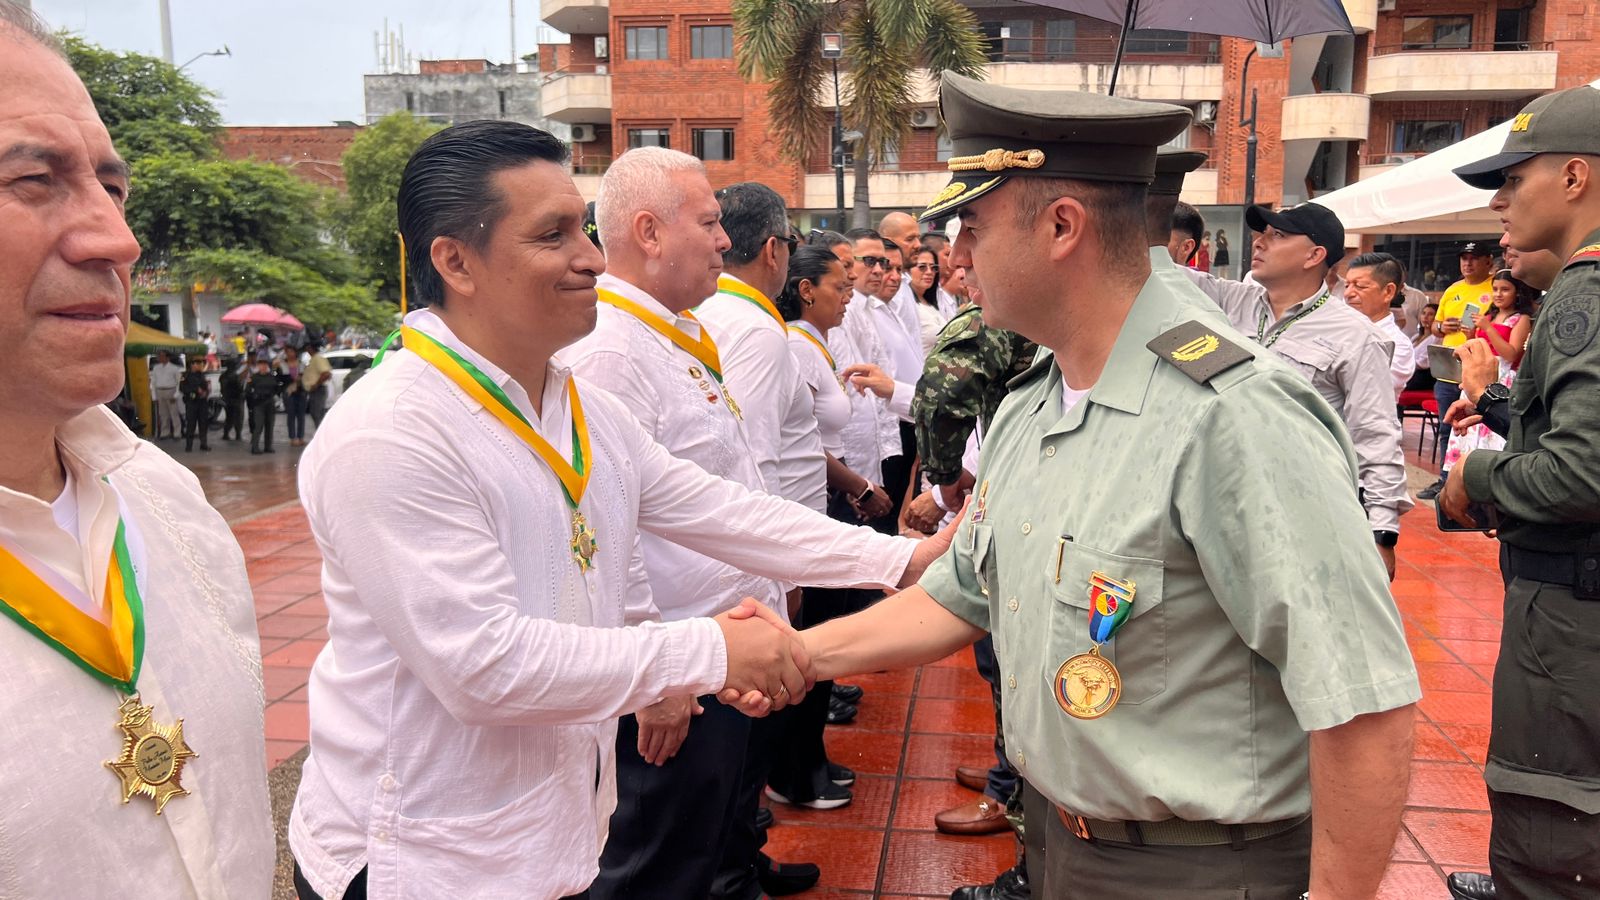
x=924, y=274
x=813, y=303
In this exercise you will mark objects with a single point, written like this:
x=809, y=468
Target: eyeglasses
x=791, y=239
x=874, y=262
x=923, y=267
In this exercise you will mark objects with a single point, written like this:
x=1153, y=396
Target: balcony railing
x=1102, y=49
x=592, y=165
x=1452, y=46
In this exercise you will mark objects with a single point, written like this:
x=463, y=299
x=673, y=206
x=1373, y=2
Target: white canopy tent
x=1423, y=196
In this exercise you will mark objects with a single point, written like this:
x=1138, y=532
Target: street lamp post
x=223, y=52
x=1267, y=51
x=832, y=49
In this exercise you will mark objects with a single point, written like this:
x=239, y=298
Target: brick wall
x=452, y=66
x=311, y=152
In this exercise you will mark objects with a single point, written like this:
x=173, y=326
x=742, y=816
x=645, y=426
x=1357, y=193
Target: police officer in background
x=1207, y=688
x=1543, y=769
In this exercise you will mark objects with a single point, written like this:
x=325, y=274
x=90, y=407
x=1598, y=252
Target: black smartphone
x=1484, y=517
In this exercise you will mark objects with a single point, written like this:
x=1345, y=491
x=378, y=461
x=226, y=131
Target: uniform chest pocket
x=1309, y=358
x=1139, y=646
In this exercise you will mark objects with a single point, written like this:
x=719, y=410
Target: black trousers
x=1062, y=866
x=800, y=756
x=262, y=416
x=1546, y=728
x=737, y=875
x=673, y=821
x=234, y=422
x=196, y=421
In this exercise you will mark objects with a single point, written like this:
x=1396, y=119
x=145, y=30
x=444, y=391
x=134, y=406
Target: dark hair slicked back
x=447, y=190
x=752, y=214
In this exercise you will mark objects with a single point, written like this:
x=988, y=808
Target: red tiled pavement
x=915, y=726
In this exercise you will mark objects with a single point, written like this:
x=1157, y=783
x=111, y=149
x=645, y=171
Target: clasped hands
x=768, y=666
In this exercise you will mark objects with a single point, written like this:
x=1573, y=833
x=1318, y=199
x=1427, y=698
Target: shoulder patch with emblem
x=1572, y=321
x=1198, y=352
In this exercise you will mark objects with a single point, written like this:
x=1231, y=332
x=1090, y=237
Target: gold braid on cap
x=998, y=161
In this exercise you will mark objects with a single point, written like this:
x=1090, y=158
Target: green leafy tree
x=886, y=43
x=252, y=230
x=148, y=105
x=372, y=169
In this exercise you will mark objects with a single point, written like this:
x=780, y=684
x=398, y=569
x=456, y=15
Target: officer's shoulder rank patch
x=1198, y=352
x=1573, y=321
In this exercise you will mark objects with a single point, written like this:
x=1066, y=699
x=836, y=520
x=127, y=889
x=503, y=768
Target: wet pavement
x=917, y=725
x=237, y=483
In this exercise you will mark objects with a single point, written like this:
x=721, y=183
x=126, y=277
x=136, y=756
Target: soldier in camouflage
x=962, y=384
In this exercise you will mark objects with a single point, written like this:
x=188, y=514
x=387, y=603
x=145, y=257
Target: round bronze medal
x=1088, y=685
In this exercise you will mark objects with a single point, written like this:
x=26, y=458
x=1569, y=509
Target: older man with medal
x=1206, y=686
x=131, y=719
x=478, y=508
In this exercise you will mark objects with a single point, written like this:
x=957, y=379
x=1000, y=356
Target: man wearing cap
x=1459, y=306
x=1291, y=311
x=1542, y=770
x=1196, y=654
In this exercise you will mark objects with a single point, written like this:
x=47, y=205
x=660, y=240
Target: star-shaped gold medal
x=152, y=755
x=583, y=542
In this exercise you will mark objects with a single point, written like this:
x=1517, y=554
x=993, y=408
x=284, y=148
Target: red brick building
x=1417, y=74
x=313, y=152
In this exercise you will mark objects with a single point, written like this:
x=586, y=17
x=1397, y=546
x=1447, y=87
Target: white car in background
x=343, y=361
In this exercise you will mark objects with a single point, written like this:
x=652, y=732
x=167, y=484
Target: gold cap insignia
x=1522, y=122
x=998, y=161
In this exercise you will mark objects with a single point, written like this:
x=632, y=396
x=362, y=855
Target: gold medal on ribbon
x=1087, y=685
x=583, y=543
x=152, y=757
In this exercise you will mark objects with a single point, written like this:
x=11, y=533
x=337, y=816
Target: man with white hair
x=132, y=703
x=661, y=226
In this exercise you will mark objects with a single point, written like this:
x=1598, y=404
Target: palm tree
x=886, y=42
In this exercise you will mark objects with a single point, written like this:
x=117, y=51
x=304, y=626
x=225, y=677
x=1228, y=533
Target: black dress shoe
x=1471, y=886
x=831, y=796
x=764, y=818
x=840, y=775
x=840, y=712
x=782, y=879
x=1012, y=884
x=849, y=693
x=1431, y=492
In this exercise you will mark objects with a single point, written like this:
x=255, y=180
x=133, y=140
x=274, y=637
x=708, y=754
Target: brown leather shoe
x=974, y=778
x=982, y=816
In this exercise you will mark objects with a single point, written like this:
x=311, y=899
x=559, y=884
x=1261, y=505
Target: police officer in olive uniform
x=1543, y=769
x=1197, y=644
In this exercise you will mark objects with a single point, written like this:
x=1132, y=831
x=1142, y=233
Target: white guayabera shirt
x=64, y=831
x=463, y=713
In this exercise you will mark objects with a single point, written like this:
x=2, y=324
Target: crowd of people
x=605, y=529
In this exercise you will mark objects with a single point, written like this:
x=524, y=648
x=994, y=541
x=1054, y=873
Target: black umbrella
x=1267, y=21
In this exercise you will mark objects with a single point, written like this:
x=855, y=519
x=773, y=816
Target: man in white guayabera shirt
x=478, y=510
x=130, y=719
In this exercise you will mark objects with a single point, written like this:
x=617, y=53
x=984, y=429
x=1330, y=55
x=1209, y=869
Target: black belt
x=1578, y=571
x=1174, y=832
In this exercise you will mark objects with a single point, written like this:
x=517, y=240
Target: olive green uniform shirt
x=1547, y=480
x=1260, y=613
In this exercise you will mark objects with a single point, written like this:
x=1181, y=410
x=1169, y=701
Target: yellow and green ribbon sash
x=704, y=350
x=732, y=288
x=574, y=475
x=821, y=347
x=112, y=653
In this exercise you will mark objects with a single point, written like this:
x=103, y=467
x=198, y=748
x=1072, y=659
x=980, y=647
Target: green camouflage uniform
x=962, y=385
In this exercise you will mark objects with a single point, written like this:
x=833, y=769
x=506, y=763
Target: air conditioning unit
x=1386, y=5
x=924, y=118
x=1206, y=112
x=582, y=134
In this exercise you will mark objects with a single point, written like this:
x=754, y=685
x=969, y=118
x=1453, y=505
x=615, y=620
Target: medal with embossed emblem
x=153, y=755
x=1088, y=685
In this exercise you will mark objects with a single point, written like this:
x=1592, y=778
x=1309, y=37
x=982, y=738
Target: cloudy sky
x=297, y=61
